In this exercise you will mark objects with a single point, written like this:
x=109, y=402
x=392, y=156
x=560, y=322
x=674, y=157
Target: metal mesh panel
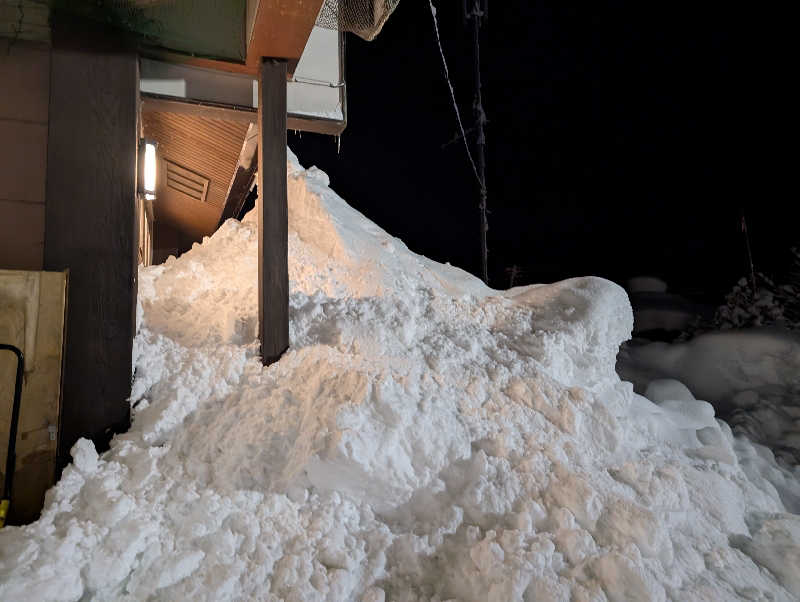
x=365, y=18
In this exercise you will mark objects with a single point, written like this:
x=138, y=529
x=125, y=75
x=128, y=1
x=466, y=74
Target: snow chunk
x=84, y=456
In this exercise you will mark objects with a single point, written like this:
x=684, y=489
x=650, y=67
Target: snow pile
x=425, y=438
x=752, y=376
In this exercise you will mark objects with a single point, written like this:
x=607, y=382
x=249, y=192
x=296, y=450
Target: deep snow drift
x=425, y=438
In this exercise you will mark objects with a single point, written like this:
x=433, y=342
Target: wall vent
x=186, y=181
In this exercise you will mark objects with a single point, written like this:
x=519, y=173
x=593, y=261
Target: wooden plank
x=21, y=235
x=91, y=227
x=243, y=177
x=239, y=189
x=273, y=212
x=241, y=185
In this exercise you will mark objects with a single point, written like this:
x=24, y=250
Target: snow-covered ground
x=424, y=438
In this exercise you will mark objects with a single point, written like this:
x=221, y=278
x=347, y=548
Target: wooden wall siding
x=21, y=235
x=91, y=230
x=24, y=101
x=208, y=147
x=23, y=157
x=25, y=73
x=24, y=20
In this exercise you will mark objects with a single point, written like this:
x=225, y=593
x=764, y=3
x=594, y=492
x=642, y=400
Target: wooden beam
x=169, y=104
x=277, y=28
x=303, y=123
x=273, y=212
x=169, y=56
x=315, y=125
x=90, y=229
x=239, y=190
x=281, y=29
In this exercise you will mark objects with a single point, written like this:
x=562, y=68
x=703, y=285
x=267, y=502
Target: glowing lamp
x=147, y=169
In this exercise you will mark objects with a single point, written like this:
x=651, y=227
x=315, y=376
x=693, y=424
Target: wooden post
x=273, y=212
x=90, y=228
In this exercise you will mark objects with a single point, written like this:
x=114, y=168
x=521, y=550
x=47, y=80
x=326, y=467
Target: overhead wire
x=453, y=95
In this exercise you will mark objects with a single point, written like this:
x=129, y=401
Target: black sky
x=624, y=139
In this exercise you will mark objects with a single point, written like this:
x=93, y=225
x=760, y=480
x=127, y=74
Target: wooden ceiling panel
x=186, y=214
x=207, y=147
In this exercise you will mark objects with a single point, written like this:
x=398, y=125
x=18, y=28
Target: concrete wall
x=24, y=103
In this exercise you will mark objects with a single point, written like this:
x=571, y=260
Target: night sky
x=623, y=139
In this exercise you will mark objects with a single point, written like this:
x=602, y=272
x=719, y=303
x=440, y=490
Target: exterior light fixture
x=147, y=169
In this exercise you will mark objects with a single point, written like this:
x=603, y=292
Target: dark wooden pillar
x=273, y=213
x=90, y=228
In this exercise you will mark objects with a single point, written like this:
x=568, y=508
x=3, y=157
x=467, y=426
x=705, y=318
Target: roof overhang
x=316, y=92
x=272, y=28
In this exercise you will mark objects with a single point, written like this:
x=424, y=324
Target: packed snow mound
x=424, y=438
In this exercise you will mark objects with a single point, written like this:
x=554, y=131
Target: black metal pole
x=12, y=433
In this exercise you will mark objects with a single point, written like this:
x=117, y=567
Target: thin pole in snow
x=749, y=255
x=477, y=14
